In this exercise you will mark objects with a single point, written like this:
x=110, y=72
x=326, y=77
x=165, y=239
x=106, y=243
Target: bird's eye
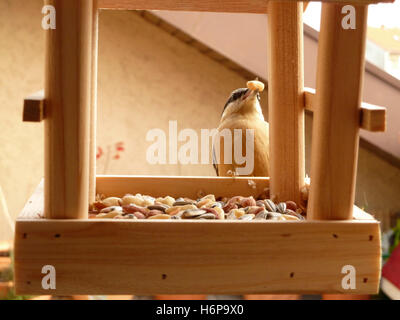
x=258, y=97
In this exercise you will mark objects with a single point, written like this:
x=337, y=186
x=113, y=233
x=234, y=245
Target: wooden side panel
x=286, y=99
x=192, y=187
x=122, y=257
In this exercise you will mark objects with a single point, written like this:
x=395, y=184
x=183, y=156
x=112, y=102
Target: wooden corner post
x=93, y=105
x=68, y=99
x=286, y=101
x=337, y=116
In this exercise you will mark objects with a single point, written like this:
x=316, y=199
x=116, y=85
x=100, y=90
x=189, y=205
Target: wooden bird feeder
x=219, y=257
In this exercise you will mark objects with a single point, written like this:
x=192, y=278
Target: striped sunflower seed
x=281, y=207
x=192, y=214
x=158, y=207
x=263, y=215
x=206, y=216
x=270, y=205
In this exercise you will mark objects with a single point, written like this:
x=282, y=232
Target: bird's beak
x=250, y=94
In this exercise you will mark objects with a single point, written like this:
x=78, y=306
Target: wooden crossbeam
x=372, y=118
x=243, y=6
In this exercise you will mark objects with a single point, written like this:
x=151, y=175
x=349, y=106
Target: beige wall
x=146, y=78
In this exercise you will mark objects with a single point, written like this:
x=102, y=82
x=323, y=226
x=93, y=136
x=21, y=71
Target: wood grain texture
x=34, y=107
x=337, y=116
x=254, y=6
x=372, y=117
x=122, y=257
x=93, y=105
x=192, y=187
x=68, y=98
x=286, y=102
x=158, y=257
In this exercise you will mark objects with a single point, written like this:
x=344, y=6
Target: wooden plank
x=185, y=257
x=372, y=118
x=34, y=107
x=254, y=6
x=286, y=101
x=68, y=95
x=337, y=117
x=192, y=187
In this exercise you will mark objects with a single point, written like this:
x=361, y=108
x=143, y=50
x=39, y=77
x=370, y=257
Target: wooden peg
x=372, y=118
x=34, y=107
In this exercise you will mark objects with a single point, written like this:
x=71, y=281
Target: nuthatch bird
x=243, y=124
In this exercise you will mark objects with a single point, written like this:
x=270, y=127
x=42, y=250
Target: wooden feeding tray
x=147, y=257
x=218, y=257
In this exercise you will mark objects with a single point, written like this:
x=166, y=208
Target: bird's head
x=243, y=101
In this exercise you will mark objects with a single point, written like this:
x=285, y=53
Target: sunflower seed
x=281, y=207
x=182, y=203
x=217, y=204
x=295, y=214
x=263, y=215
x=207, y=216
x=117, y=209
x=270, y=205
x=158, y=207
x=260, y=203
x=247, y=217
x=191, y=214
x=290, y=217
x=274, y=216
x=160, y=217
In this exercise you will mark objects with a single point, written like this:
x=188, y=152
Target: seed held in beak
x=256, y=85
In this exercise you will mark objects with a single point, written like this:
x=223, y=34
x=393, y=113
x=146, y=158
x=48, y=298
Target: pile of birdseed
x=140, y=207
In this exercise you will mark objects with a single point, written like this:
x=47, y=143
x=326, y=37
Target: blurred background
x=160, y=66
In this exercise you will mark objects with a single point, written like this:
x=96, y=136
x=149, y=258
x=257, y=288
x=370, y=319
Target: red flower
x=99, y=152
x=117, y=157
x=120, y=146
